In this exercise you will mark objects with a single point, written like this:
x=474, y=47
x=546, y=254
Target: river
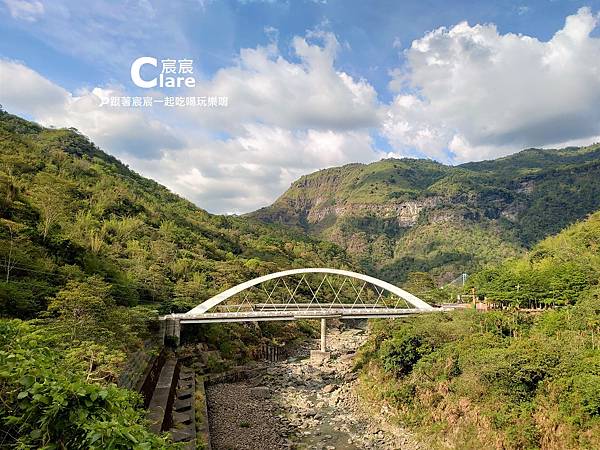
x=296, y=405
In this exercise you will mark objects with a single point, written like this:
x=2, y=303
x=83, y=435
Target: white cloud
x=482, y=94
x=284, y=119
x=250, y=170
x=120, y=131
x=267, y=88
x=28, y=10
x=26, y=91
x=465, y=93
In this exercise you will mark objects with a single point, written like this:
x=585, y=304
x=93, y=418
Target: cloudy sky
x=309, y=83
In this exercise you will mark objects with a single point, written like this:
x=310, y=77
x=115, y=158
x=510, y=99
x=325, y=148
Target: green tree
x=83, y=305
x=49, y=402
x=50, y=195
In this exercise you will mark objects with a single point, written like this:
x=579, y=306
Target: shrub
x=47, y=402
x=399, y=354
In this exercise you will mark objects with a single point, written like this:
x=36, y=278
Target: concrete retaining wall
x=137, y=366
x=270, y=353
x=161, y=404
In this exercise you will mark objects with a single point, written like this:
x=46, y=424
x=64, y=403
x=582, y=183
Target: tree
x=423, y=285
x=83, y=304
x=9, y=261
x=49, y=195
x=402, y=352
x=49, y=400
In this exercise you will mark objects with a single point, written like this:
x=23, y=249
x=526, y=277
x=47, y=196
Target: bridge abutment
x=171, y=331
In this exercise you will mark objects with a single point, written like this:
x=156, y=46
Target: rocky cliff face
x=404, y=213
x=397, y=216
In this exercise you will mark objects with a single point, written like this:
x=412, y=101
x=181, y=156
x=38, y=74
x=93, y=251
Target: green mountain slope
x=555, y=272
x=502, y=379
x=69, y=210
x=403, y=215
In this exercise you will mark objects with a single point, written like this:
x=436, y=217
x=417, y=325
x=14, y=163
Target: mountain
x=403, y=215
x=556, y=271
x=69, y=211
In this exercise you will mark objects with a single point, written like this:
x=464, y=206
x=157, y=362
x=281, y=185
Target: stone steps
x=184, y=421
x=182, y=405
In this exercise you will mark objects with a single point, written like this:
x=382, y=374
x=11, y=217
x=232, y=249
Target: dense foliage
x=50, y=398
x=492, y=380
x=91, y=253
x=401, y=215
x=503, y=379
x=69, y=211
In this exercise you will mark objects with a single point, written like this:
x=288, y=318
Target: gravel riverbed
x=296, y=405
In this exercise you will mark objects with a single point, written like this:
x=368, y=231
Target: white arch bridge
x=310, y=293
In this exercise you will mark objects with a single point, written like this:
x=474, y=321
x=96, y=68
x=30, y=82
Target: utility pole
x=9, y=261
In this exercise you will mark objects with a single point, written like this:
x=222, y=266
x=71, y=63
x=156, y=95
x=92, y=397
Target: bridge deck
x=290, y=314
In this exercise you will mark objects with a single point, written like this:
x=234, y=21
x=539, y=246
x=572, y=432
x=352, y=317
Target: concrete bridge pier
x=318, y=357
x=323, y=335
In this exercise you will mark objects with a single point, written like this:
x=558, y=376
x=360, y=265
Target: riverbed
x=295, y=404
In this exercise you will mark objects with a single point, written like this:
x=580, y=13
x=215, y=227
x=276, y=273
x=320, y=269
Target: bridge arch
x=223, y=296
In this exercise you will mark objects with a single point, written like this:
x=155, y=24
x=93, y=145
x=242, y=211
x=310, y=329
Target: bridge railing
x=229, y=308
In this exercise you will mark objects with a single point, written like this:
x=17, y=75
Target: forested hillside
x=69, y=211
x=90, y=254
x=503, y=379
x=403, y=215
x=554, y=273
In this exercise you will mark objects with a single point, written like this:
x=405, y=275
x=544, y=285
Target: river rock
x=299, y=405
x=260, y=392
x=329, y=388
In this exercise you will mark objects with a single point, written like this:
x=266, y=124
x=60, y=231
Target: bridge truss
x=309, y=293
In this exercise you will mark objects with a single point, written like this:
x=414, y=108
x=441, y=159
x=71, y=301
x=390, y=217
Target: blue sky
x=213, y=32
x=310, y=83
